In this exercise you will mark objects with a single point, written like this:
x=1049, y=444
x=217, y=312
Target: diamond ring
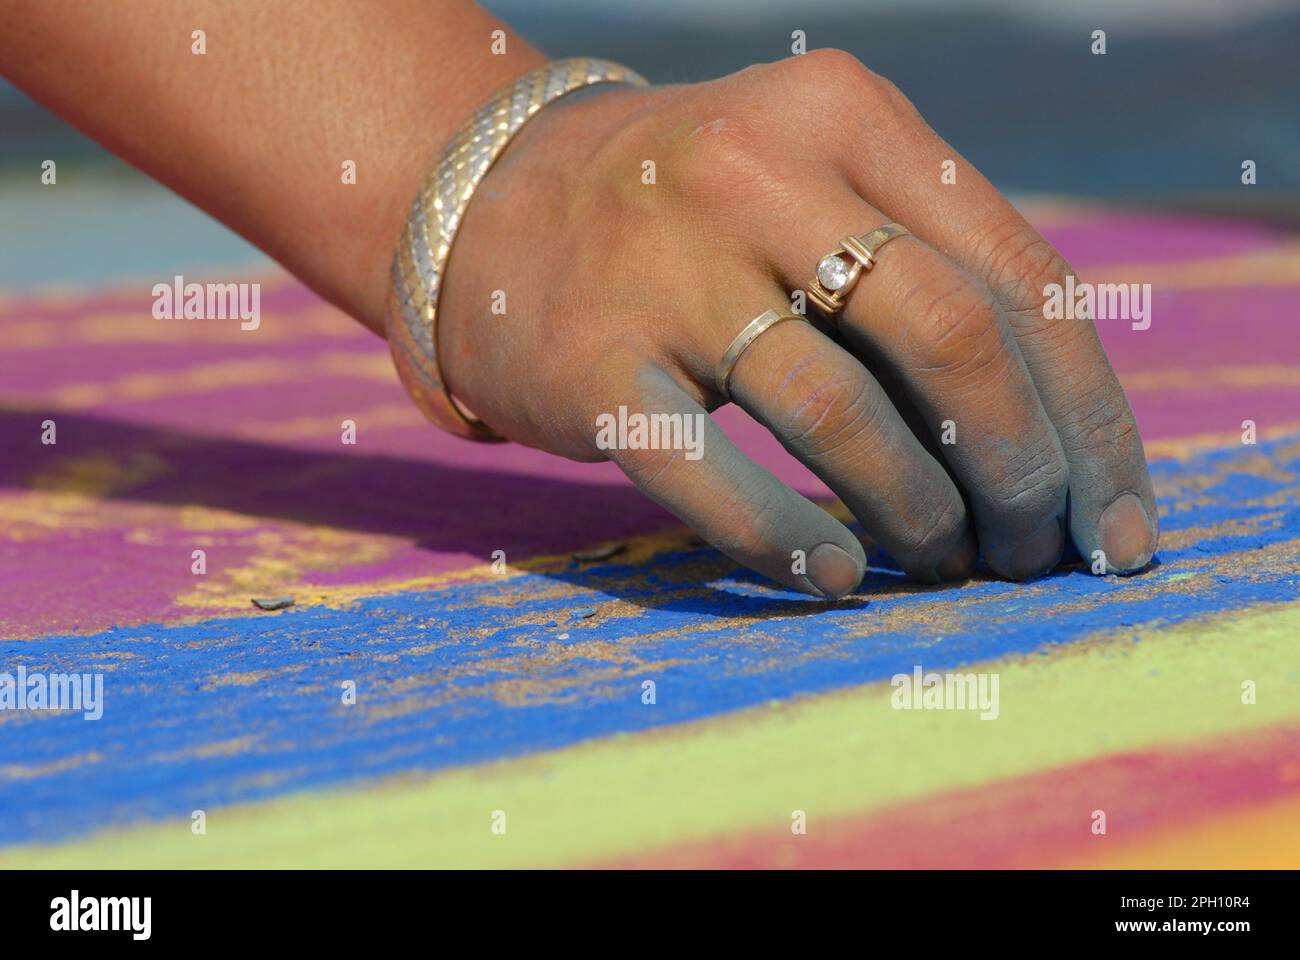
x=838, y=271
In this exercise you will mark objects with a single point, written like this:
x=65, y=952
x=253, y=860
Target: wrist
x=431, y=228
x=418, y=140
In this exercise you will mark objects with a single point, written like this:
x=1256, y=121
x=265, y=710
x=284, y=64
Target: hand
x=623, y=293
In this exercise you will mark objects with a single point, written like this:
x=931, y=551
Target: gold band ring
x=755, y=329
x=839, y=270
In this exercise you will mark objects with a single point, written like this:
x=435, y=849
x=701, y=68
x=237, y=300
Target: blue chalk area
x=246, y=708
x=1246, y=486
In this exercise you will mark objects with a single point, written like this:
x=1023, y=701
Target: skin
x=623, y=293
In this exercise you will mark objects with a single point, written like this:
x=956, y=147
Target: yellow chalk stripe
x=1182, y=448
x=96, y=329
x=1270, y=267
x=1240, y=377
x=386, y=416
x=285, y=570
x=68, y=296
x=829, y=756
x=223, y=375
x=99, y=475
x=1266, y=838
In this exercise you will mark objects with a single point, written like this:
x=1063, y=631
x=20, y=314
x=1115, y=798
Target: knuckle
x=830, y=65
x=830, y=80
x=719, y=158
x=881, y=90
x=1034, y=481
x=942, y=527
x=830, y=70
x=1020, y=265
x=1101, y=420
x=956, y=328
x=701, y=163
x=755, y=533
x=826, y=407
x=748, y=542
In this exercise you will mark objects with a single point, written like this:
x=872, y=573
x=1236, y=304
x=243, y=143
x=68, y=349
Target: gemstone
x=833, y=272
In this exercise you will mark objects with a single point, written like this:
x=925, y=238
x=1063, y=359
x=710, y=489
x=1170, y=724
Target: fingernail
x=1039, y=552
x=1126, y=534
x=832, y=571
x=959, y=564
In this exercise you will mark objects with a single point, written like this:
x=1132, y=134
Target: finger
x=736, y=505
x=943, y=333
x=830, y=413
x=1112, y=505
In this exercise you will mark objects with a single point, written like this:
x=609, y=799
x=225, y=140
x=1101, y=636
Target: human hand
x=626, y=293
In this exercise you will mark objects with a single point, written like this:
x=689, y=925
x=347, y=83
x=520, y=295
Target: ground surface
x=521, y=691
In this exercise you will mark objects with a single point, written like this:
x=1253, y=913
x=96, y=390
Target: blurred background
x=1187, y=90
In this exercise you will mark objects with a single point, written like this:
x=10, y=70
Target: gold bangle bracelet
x=430, y=229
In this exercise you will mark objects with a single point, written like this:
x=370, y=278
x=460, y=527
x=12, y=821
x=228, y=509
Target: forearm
x=256, y=130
